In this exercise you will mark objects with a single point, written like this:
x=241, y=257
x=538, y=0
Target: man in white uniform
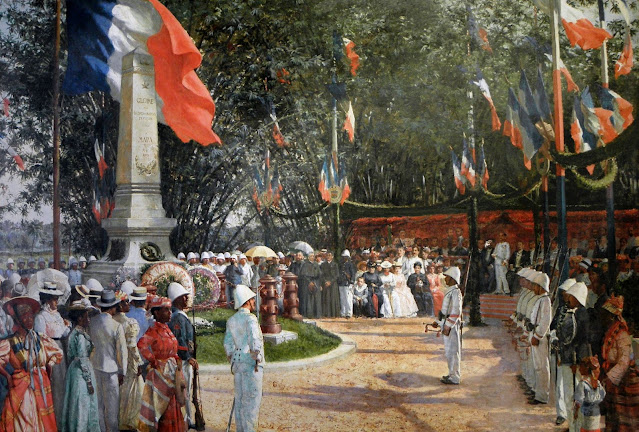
x=244, y=346
x=501, y=255
x=450, y=323
x=539, y=326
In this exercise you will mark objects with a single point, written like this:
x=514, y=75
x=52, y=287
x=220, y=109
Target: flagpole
x=610, y=194
x=334, y=156
x=559, y=139
x=56, y=140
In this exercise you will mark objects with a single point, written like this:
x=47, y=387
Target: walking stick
x=228, y=426
x=200, y=425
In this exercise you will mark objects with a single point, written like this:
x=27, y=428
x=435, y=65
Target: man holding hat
x=109, y=360
x=183, y=330
x=450, y=321
x=244, y=346
x=29, y=387
x=539, y=325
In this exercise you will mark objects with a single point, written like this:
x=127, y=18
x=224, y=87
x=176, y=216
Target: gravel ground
x=392, y=384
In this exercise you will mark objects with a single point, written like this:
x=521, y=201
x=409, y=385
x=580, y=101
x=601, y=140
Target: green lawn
x=311, y=340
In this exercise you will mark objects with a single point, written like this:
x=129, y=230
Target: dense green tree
x=410, y=98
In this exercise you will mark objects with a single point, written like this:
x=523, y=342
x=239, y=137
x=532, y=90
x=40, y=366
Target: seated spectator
x=360, y=297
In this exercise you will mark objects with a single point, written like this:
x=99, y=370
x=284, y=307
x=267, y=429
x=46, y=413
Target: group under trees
x=409, y=97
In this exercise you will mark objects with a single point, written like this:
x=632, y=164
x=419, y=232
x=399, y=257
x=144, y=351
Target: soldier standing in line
x=539, y=326
x=450, y=321
x=244, y=346
x=183, y=331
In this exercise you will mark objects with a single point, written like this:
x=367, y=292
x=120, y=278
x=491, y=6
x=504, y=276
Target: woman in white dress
x=404, y=304
x=388, y=285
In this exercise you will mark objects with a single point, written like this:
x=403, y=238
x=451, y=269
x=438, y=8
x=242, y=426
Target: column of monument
x=138, y=228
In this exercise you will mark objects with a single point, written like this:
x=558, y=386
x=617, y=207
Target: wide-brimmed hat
x=9, y=306
x=83, y=290
x=585, y=263
x=139, y=293
x=82, y=305
x=107, y=299
x=386, y=265
x=50, y=288
x=95, y=288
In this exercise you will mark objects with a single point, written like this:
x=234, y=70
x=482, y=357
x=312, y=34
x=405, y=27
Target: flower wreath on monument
x=124, y=274
x=207, y=287
x=160, y=275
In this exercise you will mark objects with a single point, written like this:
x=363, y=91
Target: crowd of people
x=94, y=359
x=572, y=340
x=101, y=359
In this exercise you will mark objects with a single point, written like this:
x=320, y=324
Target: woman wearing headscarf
x=29, y=405
x=163, y=394
x=621, y=377
x=80, y=410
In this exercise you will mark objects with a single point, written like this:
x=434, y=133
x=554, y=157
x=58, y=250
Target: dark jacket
x=347, y=273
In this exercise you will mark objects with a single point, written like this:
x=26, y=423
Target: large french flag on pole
x=101, y=32
x=579, y=29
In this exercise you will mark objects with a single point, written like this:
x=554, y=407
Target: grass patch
x=311, y=340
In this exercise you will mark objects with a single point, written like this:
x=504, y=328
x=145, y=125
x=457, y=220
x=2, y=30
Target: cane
x=228, y=426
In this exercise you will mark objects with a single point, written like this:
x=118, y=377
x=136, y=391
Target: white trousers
x=542, y=370
x=248, y=397
x=452, y=348
x=564, y=391
x=108, y=390
x=346, y=301
x=500, y=279
x=187, y=369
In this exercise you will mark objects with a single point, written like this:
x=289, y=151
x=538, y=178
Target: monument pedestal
x=138, y=227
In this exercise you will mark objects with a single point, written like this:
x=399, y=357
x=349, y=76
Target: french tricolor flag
x=349, y=123
x=102, y=32
x=483, y=87
x=580, y=30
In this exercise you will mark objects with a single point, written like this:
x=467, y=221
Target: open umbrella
x=301, y=246
x=49, y=275
x=261, y=251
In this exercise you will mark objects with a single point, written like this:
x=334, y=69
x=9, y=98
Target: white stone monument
x=138, y=227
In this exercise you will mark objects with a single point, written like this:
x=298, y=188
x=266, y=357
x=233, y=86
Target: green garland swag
x=602, y=183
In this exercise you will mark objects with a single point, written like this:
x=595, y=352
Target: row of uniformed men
x=30, y=269
x=545, y=334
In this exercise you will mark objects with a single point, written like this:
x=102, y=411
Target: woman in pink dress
x=435, y=288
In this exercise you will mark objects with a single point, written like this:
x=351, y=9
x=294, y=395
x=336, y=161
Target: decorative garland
x=597, y=184
x=207, y=286
x=302, y=215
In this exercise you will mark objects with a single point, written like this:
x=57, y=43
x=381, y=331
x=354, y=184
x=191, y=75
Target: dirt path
x=392, y=384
